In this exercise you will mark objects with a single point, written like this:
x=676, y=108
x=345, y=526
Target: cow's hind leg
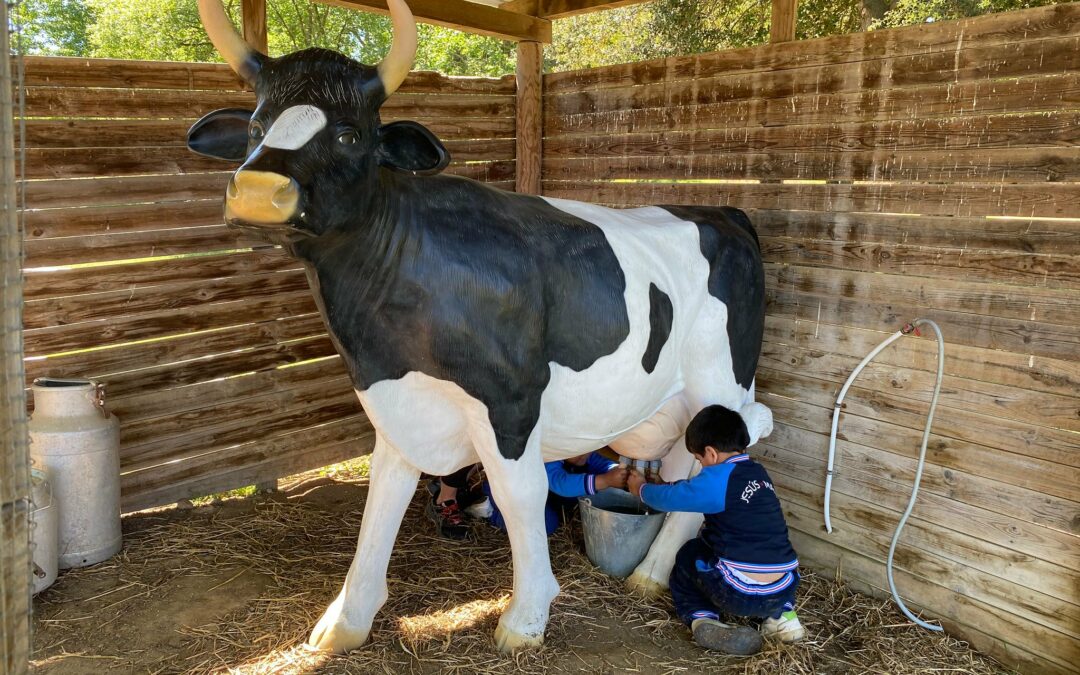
x=520, y=489
x=346, y=623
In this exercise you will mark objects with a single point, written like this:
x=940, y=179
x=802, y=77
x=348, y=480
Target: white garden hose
x=906, y=330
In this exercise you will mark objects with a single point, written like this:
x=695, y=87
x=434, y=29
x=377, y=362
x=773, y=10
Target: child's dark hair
x=719, y=427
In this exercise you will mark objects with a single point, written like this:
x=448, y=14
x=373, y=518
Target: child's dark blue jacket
x=568, y=480
x=744, y=524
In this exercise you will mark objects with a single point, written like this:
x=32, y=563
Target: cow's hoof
x=644, y=586
x=334, y=634
x=509, y=641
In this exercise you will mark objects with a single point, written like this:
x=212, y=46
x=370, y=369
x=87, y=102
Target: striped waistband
x=731, y=574
x=760, y=568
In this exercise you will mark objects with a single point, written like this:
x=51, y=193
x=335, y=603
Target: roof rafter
x=560, y=9
x=467, y=16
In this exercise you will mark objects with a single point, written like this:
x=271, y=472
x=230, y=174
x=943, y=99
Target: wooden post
x=784, y=14
x=254, y=16
x=530, y=57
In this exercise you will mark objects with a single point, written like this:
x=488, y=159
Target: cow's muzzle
x=261, y=198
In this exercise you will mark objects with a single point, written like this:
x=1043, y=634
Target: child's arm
x=597, y=463
x=703, y=493
x=566, y=484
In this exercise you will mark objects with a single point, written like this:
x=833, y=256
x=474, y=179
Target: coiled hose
x=906, y=330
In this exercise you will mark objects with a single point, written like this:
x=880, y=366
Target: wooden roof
x=528, y=20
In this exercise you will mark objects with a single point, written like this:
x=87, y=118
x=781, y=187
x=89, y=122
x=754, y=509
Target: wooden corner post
x=784, y=14
x=530, y=57
x=253, y=13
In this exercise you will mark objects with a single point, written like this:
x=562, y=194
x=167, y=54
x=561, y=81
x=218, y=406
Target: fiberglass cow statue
x=478, y=324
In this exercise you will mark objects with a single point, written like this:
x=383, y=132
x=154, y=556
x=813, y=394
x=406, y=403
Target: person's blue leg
x=690, y=602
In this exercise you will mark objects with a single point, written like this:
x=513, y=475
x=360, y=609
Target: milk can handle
x=99, y=398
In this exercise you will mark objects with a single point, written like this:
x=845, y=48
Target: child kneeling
x=742, y=562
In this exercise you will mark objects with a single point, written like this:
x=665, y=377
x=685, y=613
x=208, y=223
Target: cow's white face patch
x=295, y=127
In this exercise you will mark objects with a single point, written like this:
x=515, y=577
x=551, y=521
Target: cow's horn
x=398, y=63
x=233, y=48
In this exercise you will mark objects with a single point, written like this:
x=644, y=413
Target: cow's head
x=312, y=148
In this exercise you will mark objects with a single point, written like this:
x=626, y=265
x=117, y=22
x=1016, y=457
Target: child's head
x=715, y=433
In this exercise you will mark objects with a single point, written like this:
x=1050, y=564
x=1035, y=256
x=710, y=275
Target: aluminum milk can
x=76, y=442
x=43, y=534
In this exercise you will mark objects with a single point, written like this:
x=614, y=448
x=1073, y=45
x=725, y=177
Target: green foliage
x=907, y=12
x=164, y=30
x=54, y=27
x=455, y=53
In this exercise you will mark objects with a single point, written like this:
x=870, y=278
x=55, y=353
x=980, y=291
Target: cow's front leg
x=520, y=489
x=346, y=623
x=650, y=578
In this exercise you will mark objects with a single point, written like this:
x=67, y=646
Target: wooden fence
x=925, y=171
x=211, y=347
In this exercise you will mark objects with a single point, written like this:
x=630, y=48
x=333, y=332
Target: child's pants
x=700, y=590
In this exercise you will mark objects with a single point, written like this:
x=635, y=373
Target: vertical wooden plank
x=254, y=13
x=784, y=13
x=529, y=116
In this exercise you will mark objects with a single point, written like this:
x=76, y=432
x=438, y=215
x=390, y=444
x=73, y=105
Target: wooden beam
x=560, y=9
x=784, y=15
x=530, y=122
x=254, y=16
x=466, y=16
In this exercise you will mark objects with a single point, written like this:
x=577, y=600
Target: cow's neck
x=354, y=272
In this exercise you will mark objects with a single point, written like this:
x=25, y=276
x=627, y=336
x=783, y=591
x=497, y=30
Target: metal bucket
x=618, y=530
x=43, y=534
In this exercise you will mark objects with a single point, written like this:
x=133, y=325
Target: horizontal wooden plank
x=258, y=305
x=465, y=16
x=108, y=190
x=206, y=431
x=945, y=36
x=989, y=97
x=91, y=133
x=987, y=629
x=902, y=138
x=59, y=71
x=142, y=405
x=1044, y=270
x=173, y=159
x=488, y=172
x=133, y=245
x=248, y=464
x=959, y=485
x=40, y=284
x=1026, y=603
x=1017, y=534
x=1028, y=337
x=97, y=307
x=958, y=199
x=963, y=550
x=955, y=67
x=995, y=166
x=996, y=234
x=104, y=363
x=215, y=370
x=1032, y=473
x=1051, y=445
x=53, y=102
x=1055, y=376
x=117, y=219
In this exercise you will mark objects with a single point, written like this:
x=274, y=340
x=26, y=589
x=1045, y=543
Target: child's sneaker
x=713, y=634
x=448, y=519
x=785, y=629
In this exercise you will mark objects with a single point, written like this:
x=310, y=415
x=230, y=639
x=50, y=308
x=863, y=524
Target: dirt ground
x=236, y=586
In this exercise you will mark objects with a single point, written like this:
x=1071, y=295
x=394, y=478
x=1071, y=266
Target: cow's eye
x=256, y=131
x=348, y=138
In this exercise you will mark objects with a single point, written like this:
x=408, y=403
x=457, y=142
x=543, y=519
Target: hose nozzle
x=910, y=328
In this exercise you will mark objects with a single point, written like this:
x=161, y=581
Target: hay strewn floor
x=236, y=586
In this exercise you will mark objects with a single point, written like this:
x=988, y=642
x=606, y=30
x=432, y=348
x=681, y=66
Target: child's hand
x=614, y=478
x=634, y=482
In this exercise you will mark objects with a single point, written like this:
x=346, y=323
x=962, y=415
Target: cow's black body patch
x=660, y=316
x=470, y=284
x=736, y=278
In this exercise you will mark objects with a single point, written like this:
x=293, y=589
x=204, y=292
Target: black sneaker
x=448, y=518
x=722, y=637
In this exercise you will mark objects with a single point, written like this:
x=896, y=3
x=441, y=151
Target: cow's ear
x=411, y=148
x=223, y=134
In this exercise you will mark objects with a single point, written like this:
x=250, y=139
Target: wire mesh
x=15, y=505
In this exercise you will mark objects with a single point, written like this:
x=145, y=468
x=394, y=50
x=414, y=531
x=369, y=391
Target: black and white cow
x=479, y=324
